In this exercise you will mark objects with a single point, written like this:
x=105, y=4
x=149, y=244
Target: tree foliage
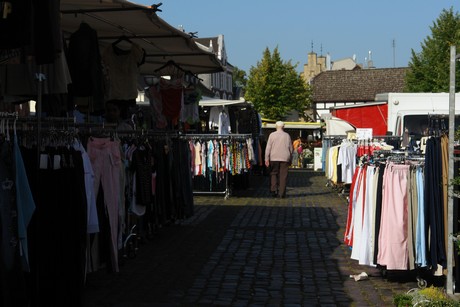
x=429, y=69
x=275, y=88
x=239, y=81
x=239, y=77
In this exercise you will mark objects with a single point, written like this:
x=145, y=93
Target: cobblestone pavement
x=251, y=250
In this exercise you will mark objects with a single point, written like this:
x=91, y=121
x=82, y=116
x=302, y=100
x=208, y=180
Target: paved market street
x=251, y=250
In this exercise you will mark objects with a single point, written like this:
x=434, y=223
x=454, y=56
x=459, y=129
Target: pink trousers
x=105, y=156
x=393, y=235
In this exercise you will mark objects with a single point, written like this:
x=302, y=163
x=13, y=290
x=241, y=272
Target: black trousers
x=57, y=232
x=434, y=211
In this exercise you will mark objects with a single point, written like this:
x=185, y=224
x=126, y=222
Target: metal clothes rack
x=210, y=136
x=5, y=117
x=43, y=126
x=39, y=129
x=8, y=114
x=47, y=122
x=227, y=191
x=334, y=137
x=342, y=188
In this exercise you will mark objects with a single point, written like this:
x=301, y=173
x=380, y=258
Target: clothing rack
x=47, y=122
x=413, y=161
x=383, y=154
x=209, y=136
x=227, y=191
x=6, y=116
x=34, y=119
x=40, y=127
x=387, y=137
x=112, y=127
x=47, y=125
x=9, y=115
x=334, y=137
x=437, y=124
x=416, y=158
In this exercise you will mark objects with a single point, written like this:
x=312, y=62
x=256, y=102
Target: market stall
x=86, y=53
x=232, y=127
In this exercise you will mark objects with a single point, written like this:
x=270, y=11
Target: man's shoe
x=282, y=195
x=274, y=194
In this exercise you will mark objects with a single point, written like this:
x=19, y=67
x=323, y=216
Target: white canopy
x=337, y=126
x=162, y=42
x=293, y=125
x=213, y=102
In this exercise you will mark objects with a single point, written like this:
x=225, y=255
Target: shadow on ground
x=250, y=250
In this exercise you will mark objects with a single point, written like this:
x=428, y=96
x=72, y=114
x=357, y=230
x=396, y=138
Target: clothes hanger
x=7, y=129
x=170, y=68
x=120, y=39
x=122, y=45
x=2, y=127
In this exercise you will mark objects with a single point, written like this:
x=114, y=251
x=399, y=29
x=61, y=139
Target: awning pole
x=450, y=203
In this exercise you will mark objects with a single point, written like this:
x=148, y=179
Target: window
x=419, y=125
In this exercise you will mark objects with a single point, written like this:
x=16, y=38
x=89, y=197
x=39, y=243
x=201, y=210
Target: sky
x=389, y=29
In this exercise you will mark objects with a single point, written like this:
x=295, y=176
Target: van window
x=418, y=125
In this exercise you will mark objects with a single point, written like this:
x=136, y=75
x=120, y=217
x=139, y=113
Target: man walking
x=278, y=155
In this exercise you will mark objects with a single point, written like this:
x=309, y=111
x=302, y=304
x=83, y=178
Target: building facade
x=318, y=64
x=345, y=82
x=219, y=83
x=348, y=87
x=315, y=65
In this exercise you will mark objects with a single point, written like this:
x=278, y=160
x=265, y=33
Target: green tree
x=239, y=81
x=239, y=77
x=275, y=88
x=429, y=69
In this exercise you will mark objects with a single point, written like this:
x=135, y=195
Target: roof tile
x=359, y=85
